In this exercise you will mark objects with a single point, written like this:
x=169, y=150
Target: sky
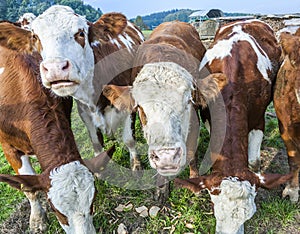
x=132, y=8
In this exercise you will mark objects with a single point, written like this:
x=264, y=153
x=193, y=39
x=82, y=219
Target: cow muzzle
x=167, y=161
x=55, y=75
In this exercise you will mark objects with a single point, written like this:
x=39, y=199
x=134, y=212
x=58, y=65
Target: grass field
x=183, y=212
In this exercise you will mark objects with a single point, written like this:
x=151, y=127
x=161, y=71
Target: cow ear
x=196, y=185
x=98, y=163
x=16, y=38
x=209, y=88
x=120, y=97
x=25, y=183
x=270, y=181
x=108, y=26
x=290, y=46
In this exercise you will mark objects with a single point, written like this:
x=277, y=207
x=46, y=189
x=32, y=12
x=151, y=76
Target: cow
x=248, y=54
x=79, y=57
x=35, y=122
x=167, y=92
x=287, y=106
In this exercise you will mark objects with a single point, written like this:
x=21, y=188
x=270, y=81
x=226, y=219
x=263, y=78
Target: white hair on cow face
x=58, y=29
x=164, y=90
x=72, y=192
x=234, y=205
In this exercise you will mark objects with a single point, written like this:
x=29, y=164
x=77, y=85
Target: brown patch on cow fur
x=108, y=25
x=16, y=38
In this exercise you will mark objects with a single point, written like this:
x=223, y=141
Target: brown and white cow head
x=67, y=42
x=68, y=59
x=162, y=93
x=69, y=188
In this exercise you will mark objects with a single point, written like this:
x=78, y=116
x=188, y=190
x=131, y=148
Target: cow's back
x=248, y=53
x=174, y=41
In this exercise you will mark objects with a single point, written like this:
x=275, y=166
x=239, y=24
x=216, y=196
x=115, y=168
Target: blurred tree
x=140, y=23
x=12, y=9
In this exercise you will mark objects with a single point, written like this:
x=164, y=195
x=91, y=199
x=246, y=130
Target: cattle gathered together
x=165, y=86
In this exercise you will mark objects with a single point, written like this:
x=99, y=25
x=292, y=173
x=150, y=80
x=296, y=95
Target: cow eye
x=142, y=115
x=80, y=38
x=81, y=34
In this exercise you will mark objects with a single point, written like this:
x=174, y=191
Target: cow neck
x=50, y=131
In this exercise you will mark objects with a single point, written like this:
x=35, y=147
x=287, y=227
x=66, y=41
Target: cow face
x=70, y=190
x=67, y=56
x=162, y=93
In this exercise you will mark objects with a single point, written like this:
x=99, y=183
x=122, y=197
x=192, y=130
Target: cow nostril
x=44, y=68
x=66, y=67
x=154, y=157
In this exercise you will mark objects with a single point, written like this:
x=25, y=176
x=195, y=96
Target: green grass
x=146, y=33
x=183, y=212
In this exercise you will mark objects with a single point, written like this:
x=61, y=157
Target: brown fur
x=246, y=97
x=286, y=104
x=32, y=121
x=15, y=38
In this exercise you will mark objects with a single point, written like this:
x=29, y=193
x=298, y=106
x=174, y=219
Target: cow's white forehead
x=166, y=82
x=57, y=20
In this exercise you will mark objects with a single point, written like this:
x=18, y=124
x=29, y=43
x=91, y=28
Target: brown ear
x=119, y=96
x=16, y=38
x=26, y=183
x=290, y=46
x=270, y=181
x=196, y=185
x=209, y=88
x=108, y=26
x=98, y=163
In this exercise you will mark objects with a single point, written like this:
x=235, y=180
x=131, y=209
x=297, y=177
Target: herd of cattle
x=171, y=81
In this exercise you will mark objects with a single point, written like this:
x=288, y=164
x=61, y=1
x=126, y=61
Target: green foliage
x=12, y=9
x=181, y=15
x=140, y=23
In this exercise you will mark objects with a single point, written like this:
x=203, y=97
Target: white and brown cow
x=287, y=107
x=248, y=54
x=79, y=57
x=165, y=94
x=33, y=121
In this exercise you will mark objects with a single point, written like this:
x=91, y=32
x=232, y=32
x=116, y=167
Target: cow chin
x=64, y=89
x=168, y=161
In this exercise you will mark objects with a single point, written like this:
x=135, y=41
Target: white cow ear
x=108, y=26
x=120, y=97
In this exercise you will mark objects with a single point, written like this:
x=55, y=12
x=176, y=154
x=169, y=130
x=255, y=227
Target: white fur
x=1, y=70
x=127, y=41
x=234, y=205
x=138, y=32
x=255, y=138
x=297, y=92
x=223, y=49
x=261, y=178
x=115, y=41
x=29, y=17
x=56, y=28
x=164, y=90
x=72, y=191
x=26, y=168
